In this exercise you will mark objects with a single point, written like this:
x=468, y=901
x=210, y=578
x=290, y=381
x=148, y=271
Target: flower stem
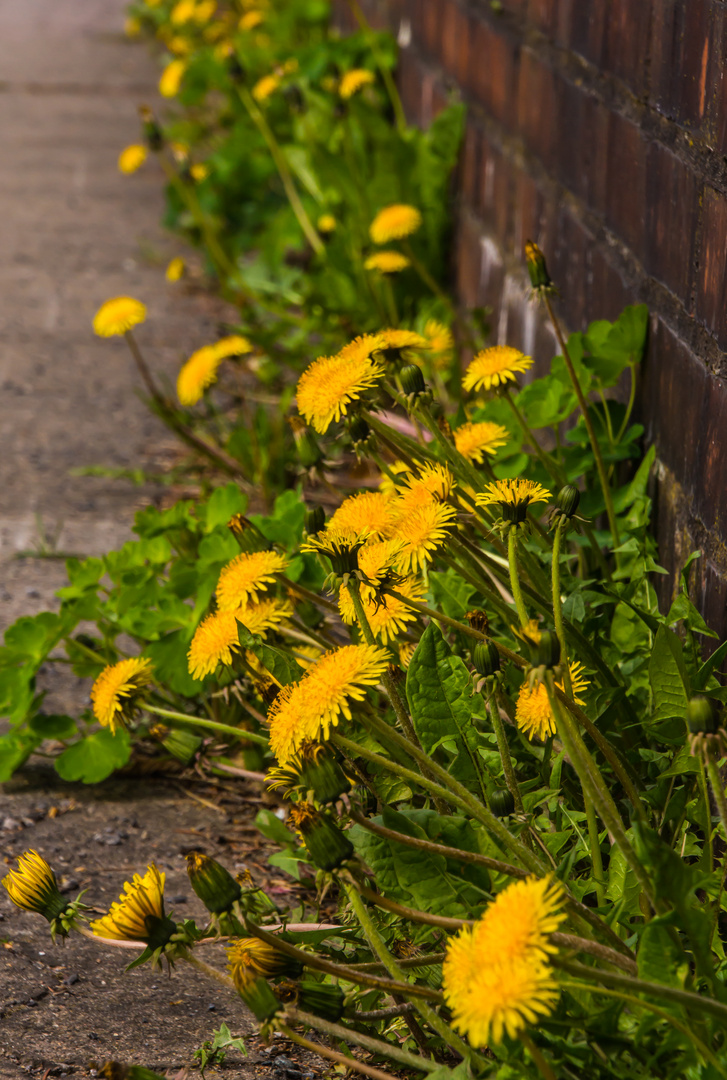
x=514, y=578
x=502, y=745
x=557, y=608
x=602, y=476
x=346, y=1034
x=209, y=971
x=332, y=1055
x=543, y=1067
x=209, y=725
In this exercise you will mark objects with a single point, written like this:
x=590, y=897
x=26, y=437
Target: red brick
x=536, y=104
x=626, y=181
x=627, y=42
x=687, y=60
x=673, y=195
x=711, y=301
x=491, y=74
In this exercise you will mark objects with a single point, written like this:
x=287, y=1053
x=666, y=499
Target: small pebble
x=9, y=824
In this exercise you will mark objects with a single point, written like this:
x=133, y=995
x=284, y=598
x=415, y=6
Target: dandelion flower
x=33, y=886
x=199, y=171
x=404, y=339
x=387, y=262
x=368, y=514
x=494, y=367
x=265, y=615
x=182, y=12
x=214, y=642
x=394, y=223
x=340, y=547
x=441, y=343
x=326, y=223
x=248, y=956
x=204, y=11
x=245, y=576
x=117, y=316
x=175, y=269
x=264, y=87
x=496, y=978
x=517, y=494
x=355, y=80
x=116, y=691
x=387, y=616
x=475, y=440
x=232, y=345
x=533, y=713
x=138, y=914
x=292, y=723
x=387, y=484
x=199, y=372
x=434, y=482
x=363, y=347
x=331, y=383
x=421, y=532
x=171, y=78
x=132, y=158
x=250, y=20
x=406, y=652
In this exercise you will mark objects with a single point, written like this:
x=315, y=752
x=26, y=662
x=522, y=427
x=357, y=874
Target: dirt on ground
x=67, y=1009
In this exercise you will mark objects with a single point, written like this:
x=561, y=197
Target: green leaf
x=15, y=749
x=668, y=676
x=169, y=657
x=222, y=504
x=285, y=525
x=658, y=958
x=16, y=692
x=52, y=726
x=273, y=828
x=439, y=689
x=94, y=758
x=709, y=665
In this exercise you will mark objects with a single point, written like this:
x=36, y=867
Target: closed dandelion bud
x=306, y=444
x=359, y=431
x=251, y=956
x=315, y=519
x=548, y=649
x=33, y=887
x=702, y=716
x=485, y=658
x=257, y=995
x=321, y=773
x=537, y=268
x=478, y=620
x=567, y=500
x=502, y=802
x=214, y=885
x=412, y=380
x=151, y=130
x=182, y=745
x=321, y=999
x=247, y=535
x=327, y=845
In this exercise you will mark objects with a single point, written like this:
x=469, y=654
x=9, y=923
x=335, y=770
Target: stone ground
x=74, y=233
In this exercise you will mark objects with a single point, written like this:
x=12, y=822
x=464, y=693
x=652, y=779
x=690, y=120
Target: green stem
x=426, y=277
x=284, y=173
x=596, y=860
x=209, y=971
x=333, y=1055
x=545, y=459
x=514, y=578
x=543, y=1067
x=507, y=766
x=715, y=782
x=589, y=425
x=394, y=98
x=346, y=1034
x=557, y=608
x=208, y=725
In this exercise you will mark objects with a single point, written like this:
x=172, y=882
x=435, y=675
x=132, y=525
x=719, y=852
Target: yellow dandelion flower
x=179, y=46
x=533, y=714
x=387, y=616
x=377, y=560
x=396, y=468
x=518, y=923
x=421, y=532
x=394, y=223
x=494, y=367
x=326, y=223
x=171, y=78
x=132, y=158
x=514, y=493
x=175, y=269
x=493, y=1000
x=341, y=548
x=403, y=339
x=199, y=171
x=199, y=372
x=204, y=11
x=214, y=642
x=441, y=343
x=406, y=651
x=132, y=27
x=265, y=615
x=138, y=912
x=387, y=262
x=475, y=440
x=434, y=482
x=264, y=87
x=362, y=347
x=182, y=12
x=117, y=689
x=292, y=722
x=331, y=383
x=367, y=514
x=250, y=20
x=245, y=576
x=355, y=80
x=117, y=316
x=248, y=956
x=33, y=886
x=232, y=345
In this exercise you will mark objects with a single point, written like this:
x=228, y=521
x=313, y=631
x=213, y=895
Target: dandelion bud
x=247, y=535
x=478, y=620
x=486, y=658
x=359, y=431
x=537, y=269
x=214, y=885
x=321, y=774
x=182, y=745
x=258, y=958
x=315, y=519
x=502, y=802
x=256, y=994
x=702, y=716
x=33, y=887
x=151, y=130
x=327, y=845
x=412, y=380
x=548, y=650
x=321, y=999
x=567, y=500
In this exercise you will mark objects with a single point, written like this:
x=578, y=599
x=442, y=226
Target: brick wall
x=599, y=129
